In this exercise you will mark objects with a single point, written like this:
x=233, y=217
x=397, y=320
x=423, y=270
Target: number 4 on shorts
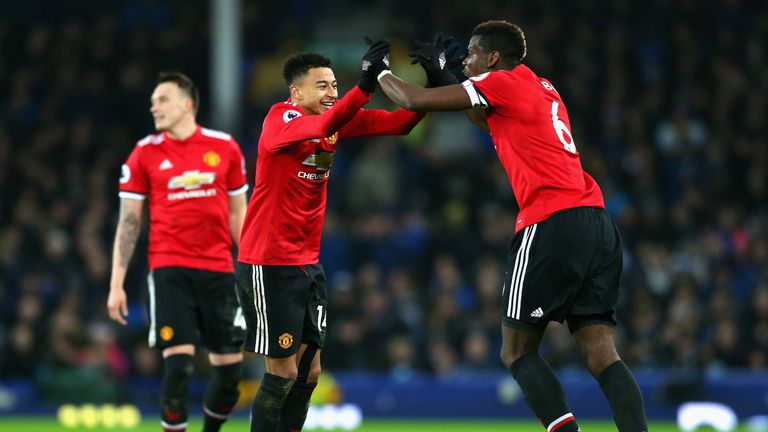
x=239, y=318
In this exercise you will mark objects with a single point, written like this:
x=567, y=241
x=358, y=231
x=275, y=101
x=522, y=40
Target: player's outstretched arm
x=417, y=98
x=318, y=126
x=126, y=235
x=434, y=58
x=308, y=127
x=376, y=122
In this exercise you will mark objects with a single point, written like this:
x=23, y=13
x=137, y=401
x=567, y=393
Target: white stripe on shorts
x=260, y=305
x=525, y=268
x=518, y=274
x=152, y=317
x=515, y=271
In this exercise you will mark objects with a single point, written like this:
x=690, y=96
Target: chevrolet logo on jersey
x=191, y=180
x=321, y=161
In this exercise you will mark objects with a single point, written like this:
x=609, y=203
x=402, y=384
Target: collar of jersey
x=197, y=132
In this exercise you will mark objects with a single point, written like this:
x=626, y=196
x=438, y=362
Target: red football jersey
x=188, y=184
x=532, y=136
x=284, y=220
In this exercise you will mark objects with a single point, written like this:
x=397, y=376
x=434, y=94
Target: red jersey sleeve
x=236, y=182
x=380, y=122
x=133, y=178
x=292, y=126
x=488, y=89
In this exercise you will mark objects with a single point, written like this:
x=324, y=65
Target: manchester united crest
x=285, y=340
x=332, y=139
x=166, y=333
x=212, y=159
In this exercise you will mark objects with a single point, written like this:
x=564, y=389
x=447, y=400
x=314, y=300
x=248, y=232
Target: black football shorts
x=284, y=306
x=187, y=306
x=566, y=267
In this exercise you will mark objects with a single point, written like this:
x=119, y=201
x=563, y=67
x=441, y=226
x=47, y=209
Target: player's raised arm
x=417, y=98
x=320, y=126
x=444, y=93
x=335, y=114
x=376, y=122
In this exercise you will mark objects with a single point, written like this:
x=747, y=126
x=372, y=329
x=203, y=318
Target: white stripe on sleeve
x=475, y=96
x=238, y=191
x=132, y=195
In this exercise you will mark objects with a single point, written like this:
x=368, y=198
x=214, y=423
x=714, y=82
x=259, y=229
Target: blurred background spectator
x=668, y=106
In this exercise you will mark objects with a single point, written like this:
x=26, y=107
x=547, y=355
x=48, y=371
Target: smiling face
x=170, y=106
x=316, y=91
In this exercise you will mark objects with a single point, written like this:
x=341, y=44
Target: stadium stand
x=668, y=103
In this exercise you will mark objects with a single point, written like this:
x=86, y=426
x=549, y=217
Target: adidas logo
x=538, y=313
x=166, y=165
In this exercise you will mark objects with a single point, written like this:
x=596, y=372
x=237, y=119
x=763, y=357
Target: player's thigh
x=543, y=275
x=274, y=301
x=315, y=317
x=171, y=307
x=596, y=301
x=516, y=343
x=596, y=344
x=222, y=327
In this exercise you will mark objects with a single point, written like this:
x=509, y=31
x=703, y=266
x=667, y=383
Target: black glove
x=375, y=61
x=438, y=59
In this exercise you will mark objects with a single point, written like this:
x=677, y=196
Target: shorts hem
x=519, y=325
x=164, y=345
x=283, y=353
x=581, y=324
x=233, y=349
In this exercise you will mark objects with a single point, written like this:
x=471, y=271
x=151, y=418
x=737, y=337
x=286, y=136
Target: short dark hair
x=185, y=83
x=297, y=65
x=502, y=36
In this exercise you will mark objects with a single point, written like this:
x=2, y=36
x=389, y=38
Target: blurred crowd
x=667, y=102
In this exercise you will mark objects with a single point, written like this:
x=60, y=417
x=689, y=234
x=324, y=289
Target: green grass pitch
x=45, y=424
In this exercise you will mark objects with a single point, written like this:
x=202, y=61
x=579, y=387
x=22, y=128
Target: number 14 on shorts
x=321, y=316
